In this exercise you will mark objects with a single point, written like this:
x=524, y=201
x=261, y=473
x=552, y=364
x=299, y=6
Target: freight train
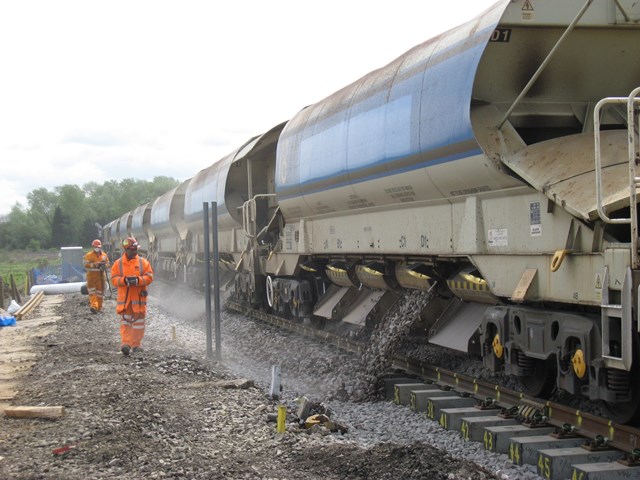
x=493, y=166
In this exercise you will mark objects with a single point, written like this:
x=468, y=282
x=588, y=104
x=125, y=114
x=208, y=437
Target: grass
x=19, y=262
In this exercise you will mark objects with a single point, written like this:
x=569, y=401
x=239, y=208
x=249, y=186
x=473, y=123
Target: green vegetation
x=69, y=214
x=19, y=262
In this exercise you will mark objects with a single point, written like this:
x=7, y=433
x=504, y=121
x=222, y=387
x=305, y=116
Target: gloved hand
x=131, y=281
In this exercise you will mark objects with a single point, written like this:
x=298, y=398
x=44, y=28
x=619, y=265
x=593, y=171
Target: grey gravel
x=164, y=413
x=336, y=378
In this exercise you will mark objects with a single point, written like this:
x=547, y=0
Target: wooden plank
x=36, y=335
x=52, y=300
x=8, y=368
x=19, y=348
x=30, y=412
x=17, y=357
x=15, y=375
x=42, y=319
x=32, y=303
x=8, y=395
x=34, y=322
x=26, y=335
x=8, y=390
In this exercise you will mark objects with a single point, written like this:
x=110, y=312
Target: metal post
x=207, y=277
x=216, y=278
x=622, y=11
x=249, y=178
x=14, y=289
x=1, y=293
x=274, y=391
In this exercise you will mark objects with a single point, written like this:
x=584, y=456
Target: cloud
x=23, y=147
x=100, y=138
x=10, y=194
x=96, y=91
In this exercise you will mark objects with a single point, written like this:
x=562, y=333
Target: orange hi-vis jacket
x=132, y=298
x=92, y=261
x=95, y=277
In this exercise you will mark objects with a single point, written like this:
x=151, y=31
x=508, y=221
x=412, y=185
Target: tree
x=61, y=230
x=42, y=204
x=22, y=227
x=68, y=214
x=71, y=200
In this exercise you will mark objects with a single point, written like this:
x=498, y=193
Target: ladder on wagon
x=618, y=317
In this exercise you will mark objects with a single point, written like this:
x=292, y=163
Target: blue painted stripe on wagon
x=282, y=195
x=301, y=169
x=388, y=161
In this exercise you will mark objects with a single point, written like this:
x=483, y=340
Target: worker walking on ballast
x=131, y=274
x=95, y=263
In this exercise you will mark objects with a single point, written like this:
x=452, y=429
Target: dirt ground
x=164, y=414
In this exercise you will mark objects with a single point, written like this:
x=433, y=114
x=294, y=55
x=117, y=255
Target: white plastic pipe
x=58, y=288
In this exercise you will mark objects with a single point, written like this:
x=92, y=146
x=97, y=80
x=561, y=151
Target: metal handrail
x=248, y=209
x=634, y=158
x=631, y=101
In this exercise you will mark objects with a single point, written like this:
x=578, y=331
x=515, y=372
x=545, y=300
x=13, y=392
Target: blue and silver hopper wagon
x=140, y=220
x=491, y=167
x=489, y=164
x=241, y=185
x=166, y=231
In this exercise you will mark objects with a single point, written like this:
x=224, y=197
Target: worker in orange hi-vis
x=95, y=263
x=131, y=274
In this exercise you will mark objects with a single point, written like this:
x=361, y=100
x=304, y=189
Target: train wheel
x=269, y=291
x=626, y=412
x=543, y=382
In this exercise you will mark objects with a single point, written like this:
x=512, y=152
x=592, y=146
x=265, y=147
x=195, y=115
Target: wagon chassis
x=595, y=429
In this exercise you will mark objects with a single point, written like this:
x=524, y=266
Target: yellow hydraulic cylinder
x=282, y=417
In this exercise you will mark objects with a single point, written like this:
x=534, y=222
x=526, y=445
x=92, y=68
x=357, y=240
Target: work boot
x=137, y=350
x=125, y=349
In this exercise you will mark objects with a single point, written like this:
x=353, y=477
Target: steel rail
x=598, y=430
x=337, y=340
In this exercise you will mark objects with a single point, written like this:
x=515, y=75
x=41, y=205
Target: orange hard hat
x=130, y=243
x=96, y=243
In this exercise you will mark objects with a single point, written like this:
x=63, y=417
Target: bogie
x=437, y=173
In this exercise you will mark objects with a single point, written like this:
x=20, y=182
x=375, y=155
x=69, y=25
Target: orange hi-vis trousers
x=132, y=328
x=95, y=289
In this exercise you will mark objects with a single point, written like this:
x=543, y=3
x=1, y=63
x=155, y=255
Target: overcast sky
x=135, y=89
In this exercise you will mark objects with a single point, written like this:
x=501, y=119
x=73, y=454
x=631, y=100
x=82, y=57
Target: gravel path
x=165, y=414
x=335, y=378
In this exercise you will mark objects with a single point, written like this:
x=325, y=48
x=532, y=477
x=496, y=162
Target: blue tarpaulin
x=7, y=321
x=58, y=274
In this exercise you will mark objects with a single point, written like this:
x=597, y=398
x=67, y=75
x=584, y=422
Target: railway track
x=560, y=441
